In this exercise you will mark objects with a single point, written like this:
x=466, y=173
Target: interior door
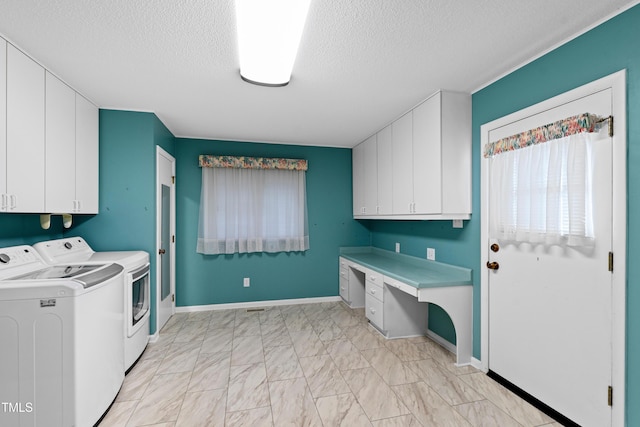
x=550, y=318
x=165, y=257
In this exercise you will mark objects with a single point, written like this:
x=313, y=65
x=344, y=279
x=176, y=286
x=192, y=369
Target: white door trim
x=617, y=82
x=161, y=152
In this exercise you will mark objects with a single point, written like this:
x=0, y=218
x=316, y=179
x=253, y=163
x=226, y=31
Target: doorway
x=165, y=237
x=553, y=318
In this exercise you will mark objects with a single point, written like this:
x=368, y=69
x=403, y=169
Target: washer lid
x=87, y=275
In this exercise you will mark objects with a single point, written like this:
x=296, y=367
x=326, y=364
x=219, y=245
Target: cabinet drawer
x=344, y=264
x=375, y=277
x=375, y=291
x=344, y=289
x=344, y=273
x=402, y=286
x=375, y=312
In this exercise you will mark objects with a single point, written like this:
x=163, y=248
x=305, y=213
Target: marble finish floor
x=305, y=365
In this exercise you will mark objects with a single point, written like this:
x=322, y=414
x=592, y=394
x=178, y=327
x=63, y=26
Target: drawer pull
x=373, y=291
x=342, y=288
x=372, y=310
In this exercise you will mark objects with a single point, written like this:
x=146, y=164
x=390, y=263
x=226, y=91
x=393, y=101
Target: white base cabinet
x=352, y=283
x=422, y=166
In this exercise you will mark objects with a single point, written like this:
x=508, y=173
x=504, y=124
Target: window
x=542, y=193
x=252, y=205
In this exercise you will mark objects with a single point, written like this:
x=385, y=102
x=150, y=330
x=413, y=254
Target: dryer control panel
x=15, y=259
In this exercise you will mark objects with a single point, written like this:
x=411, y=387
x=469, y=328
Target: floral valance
x=241, y=162
x=570, y=126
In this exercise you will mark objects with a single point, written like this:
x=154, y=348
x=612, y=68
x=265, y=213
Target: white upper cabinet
x=357, y=158
x=402, y=169
x=71, y=140
x=385, y=171
x=25, y=133
x=86, y=156
x=370, y=184
x=60, y=142
x=424, y=162
x=48, y=141
x=4, y=202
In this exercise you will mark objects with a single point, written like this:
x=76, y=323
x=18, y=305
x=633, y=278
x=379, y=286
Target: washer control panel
x=17, y=257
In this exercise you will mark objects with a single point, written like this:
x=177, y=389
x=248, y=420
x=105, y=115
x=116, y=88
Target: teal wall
x=24, y=229
x=210, y=279
x=127, y=215
x=604, y=50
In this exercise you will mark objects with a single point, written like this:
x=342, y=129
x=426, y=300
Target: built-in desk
x=395, y=289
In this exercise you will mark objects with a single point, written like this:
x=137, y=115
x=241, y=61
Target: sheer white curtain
x=252, y=210
x=543, y=193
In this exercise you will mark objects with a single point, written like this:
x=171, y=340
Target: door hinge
x=173, y=179
x=173, y=297
x=610, y=396
x=611, y=261
x=173, y=238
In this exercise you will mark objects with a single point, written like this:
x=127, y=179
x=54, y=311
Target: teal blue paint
x=206, y=279
x=24, y=229
x=127, y=216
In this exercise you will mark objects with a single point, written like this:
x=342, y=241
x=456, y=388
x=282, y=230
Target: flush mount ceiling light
x=269, y=33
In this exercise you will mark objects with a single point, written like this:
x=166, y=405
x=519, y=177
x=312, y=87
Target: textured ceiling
x=361, y=63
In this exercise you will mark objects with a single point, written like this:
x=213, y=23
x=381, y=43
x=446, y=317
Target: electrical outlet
x=397, y=247
x=246, y=282
x=431, y=254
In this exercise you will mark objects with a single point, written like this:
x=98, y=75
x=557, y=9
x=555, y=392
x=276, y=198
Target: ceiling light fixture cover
x=269, y=33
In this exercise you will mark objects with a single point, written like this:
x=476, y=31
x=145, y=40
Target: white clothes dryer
x=61, y=357
x=136, y=286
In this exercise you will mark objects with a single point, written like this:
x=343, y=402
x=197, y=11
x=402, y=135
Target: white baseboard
x=477, y=363
x=252, y=304
x=154, y=337
x=443, y=342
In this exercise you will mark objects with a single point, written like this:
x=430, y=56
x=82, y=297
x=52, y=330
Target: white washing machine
x=61, y=351
x=136, y=286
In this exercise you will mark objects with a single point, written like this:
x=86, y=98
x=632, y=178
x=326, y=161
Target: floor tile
x=345, y=355
x=248, y=387
x=485, y=414
x=305, y=364
x=203, y=408
x=389, y=367
x=342, y=410
x=374, y=395
x=429, y=408
x=247, y=350
x=323, y=377
x=211, y=371
x=162, y=400
x=307, y=343
x=451, y=388
x=514, y=406
x=282, y=363
x=292, y=404
x=259, y=417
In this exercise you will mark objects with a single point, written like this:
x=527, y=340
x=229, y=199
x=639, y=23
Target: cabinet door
x=385, y=174
x=370, y=184
x=25, y=133
x=402, y=182
x=427, y=165
x=86, y=166
x=357, y=154
x=3, y=125
x=60, y=143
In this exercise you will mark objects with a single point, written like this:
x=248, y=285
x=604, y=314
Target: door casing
x=160, y=155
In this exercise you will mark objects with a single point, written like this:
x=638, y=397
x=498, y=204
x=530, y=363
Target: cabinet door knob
x=372, y=310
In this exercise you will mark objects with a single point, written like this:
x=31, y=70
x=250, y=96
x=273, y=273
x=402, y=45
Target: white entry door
x=550, y=318
x=165, y=240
